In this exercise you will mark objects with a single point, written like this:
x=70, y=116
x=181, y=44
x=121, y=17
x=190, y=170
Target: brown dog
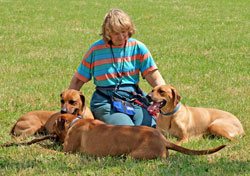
x=184, y=122
x=72, y=101
x=96, y=138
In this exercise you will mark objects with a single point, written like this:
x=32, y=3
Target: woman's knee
x=119, y=119
x=115, y=118
x=143, y=117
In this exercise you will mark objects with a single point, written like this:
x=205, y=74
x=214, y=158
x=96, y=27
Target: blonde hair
x=116, y=20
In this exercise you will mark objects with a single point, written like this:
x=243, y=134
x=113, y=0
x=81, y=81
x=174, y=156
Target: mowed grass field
x=201, y=47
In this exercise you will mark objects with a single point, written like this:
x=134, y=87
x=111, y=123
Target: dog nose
x=63, y=111
x=149, y=97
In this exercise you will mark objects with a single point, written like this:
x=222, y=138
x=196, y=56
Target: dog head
x=62, y=124
x=72, y=102
x=164, y=97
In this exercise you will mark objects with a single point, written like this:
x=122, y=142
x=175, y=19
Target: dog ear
x=82, y=99
x=60, y=124
x=176, y=96
x=61, y=94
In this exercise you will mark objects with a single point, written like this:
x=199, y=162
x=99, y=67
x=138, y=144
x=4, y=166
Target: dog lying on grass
x=184, y=122
x=33, y=122
x=96, y=138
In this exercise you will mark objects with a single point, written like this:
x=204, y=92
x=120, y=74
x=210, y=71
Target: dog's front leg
x=182, y=135
x=183, y=140
x=71, y=142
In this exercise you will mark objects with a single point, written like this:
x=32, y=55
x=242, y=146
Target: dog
x=184, y=122
x=96, y=138
x=72, y=101
x=31, y=123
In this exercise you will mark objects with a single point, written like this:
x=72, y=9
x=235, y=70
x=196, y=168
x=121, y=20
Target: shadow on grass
x=175, y=164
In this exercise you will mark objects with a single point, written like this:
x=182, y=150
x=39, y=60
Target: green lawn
x=201, y=47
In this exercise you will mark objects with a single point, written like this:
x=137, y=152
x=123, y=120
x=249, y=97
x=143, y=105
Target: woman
x=115, y=62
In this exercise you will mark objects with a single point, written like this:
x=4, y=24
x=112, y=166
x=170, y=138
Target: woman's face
x=118, y=38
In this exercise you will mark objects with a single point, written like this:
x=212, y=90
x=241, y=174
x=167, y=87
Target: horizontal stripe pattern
x=99, y=63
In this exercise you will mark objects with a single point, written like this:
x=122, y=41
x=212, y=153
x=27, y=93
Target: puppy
x=33, y=122
x=184, y=122
x=96, y=138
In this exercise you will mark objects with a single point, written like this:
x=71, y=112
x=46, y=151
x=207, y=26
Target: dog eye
x=62, y=101
x=72, y=102
x=160, y=91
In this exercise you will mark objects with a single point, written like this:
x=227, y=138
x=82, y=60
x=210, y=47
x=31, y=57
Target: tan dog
x=96, y=138
x=72, y=101
x=184, y=122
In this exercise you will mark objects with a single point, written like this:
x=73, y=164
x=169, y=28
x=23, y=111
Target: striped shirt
x=100, y=63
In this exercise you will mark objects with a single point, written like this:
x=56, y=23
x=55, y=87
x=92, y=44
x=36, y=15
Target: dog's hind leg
x=149, y=152
x=25, y=133
x=221, y=130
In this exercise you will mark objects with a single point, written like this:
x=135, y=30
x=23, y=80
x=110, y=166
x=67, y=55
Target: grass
x=201, y=47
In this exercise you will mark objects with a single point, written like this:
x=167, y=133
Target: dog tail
x=53, y=136
x=178, y=148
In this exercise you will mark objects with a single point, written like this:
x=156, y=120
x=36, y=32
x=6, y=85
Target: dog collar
x=74, y=121
x=171, y=113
